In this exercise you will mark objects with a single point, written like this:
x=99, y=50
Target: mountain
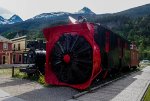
x=51, y=15
x=44, y=20
x=7, y=17
x=136, y=12
x=133, y=24
x=3, y=21
x=85, y=10
x=12, y=20
x=113, y=21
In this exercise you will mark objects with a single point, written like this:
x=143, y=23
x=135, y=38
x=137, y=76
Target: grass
x=142, y=65
x=39, y=79
x=7, y=71
x=147, y=95
x=18, y=74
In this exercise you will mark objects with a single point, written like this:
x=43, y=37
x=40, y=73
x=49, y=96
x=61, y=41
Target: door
x=3, y=60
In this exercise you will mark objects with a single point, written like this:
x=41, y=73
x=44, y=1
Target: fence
x=12, y=67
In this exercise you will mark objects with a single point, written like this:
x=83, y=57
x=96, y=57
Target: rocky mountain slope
x=11, y=20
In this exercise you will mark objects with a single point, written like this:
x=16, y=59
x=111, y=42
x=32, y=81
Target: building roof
x=3, y=39
x=18, y=38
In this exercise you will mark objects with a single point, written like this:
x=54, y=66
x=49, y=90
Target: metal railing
x=13, y=66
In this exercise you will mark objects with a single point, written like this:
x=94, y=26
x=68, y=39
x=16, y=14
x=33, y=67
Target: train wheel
x=72, y=59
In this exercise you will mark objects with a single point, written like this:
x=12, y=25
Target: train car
x=134, y=54
x=78, y=53
x=36, y=58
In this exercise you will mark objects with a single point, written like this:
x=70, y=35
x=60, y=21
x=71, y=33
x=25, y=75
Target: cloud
x=5, y=13
x=29, y=8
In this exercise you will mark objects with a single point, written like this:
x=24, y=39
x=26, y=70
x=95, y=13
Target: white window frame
x=5, y=46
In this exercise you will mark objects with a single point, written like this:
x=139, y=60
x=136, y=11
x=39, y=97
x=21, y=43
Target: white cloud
x=5, y=13
x=29, y=8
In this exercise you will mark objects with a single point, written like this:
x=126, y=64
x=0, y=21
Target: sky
x=29, y=8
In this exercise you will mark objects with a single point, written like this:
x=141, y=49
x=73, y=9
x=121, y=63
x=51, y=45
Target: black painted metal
x=79, y=69
x=37, y=57
x=112, y=60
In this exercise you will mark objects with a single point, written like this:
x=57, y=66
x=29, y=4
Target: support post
x=13, y=71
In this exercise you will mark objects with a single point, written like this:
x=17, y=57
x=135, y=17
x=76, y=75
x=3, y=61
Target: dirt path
x=32, y=91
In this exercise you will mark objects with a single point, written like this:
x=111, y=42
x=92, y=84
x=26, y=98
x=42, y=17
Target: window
x=131, y=46
x=20, y=58
x=18, y=46
x=14, y=46
x=14, y=59
x=5, y=46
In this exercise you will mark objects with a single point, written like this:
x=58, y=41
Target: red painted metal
x=105, y=74
x=66, y=58
x=53, y=34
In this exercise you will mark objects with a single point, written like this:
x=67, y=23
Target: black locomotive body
x=36, y=57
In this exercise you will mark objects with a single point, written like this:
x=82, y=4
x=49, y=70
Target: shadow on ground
x=110, y=91
x=49, y=94
x=32, y=91
x=12, y=82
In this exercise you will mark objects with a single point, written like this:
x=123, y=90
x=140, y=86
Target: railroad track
x=104, y=83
